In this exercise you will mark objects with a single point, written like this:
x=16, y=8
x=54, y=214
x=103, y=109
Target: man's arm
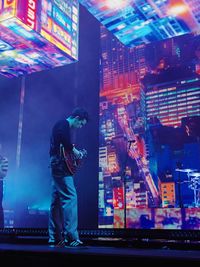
x=66, y=142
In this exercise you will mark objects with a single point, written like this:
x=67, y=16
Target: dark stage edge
x=34, y=251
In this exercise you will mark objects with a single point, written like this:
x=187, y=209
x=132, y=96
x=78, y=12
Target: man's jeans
x=63, y=216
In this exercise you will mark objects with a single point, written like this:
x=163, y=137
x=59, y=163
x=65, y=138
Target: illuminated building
x=103, y=157
x=173, y=100
x=167, y=191
x=130, y=194
x=118, y=197
x=37, y=35
x=113, y=162
x=141, y=197
x=195, y=8
x=117, y=66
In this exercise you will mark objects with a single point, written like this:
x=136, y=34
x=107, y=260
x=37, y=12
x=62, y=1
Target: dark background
x=49, y=96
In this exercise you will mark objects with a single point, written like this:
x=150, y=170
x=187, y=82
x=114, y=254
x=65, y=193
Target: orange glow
x=177, y=10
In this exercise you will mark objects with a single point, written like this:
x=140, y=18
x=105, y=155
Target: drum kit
x=193, y=180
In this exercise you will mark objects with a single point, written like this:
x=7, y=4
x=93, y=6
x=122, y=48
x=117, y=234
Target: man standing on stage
x=63, y=216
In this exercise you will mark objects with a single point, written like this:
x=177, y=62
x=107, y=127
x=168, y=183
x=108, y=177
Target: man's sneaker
x=58, y=244
x=75, y=244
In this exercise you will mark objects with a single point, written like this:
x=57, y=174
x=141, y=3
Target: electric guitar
x=72, y=162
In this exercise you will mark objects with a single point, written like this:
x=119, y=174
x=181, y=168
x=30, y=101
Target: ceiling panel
x=136, y=22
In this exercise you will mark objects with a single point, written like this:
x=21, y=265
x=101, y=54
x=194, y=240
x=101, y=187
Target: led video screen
x=149, y=154
x=136, y=22
x=37, y=35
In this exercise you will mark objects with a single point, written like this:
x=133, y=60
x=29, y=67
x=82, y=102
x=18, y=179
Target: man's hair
x=81, y=113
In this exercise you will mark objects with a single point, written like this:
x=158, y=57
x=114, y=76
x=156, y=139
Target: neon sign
x=26, y=26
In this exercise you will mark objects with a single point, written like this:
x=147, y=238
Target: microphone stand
x=124, y=178
x=180, y=166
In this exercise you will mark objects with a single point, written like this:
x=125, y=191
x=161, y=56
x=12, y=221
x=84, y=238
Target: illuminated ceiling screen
x=136, y=22
x=37, y=35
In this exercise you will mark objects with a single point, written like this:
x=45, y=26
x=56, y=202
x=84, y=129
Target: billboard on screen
x=37, y=35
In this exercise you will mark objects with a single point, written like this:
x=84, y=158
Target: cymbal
x=185, y=170
x=195, y=174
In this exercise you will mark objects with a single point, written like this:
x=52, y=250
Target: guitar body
x=72, y=162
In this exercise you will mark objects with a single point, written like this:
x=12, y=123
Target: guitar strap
x=62, y=151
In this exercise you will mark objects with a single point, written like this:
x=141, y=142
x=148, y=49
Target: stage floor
x=40, y=254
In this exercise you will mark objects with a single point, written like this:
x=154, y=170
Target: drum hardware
x=194, y=184
x=188, y=172
x=185, y=170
